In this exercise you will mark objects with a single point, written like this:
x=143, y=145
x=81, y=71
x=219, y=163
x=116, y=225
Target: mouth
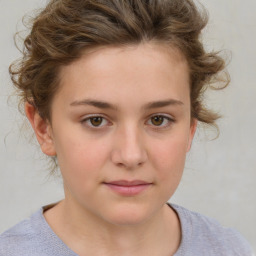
x=128, y=188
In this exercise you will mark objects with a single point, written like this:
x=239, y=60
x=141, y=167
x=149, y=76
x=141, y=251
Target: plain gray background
x=220, y=175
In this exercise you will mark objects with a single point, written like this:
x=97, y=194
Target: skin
x=128, y=144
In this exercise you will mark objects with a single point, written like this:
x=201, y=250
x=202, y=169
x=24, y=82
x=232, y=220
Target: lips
x=125, y=183
x=128, y=188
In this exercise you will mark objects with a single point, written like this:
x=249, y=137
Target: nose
x=129, y=150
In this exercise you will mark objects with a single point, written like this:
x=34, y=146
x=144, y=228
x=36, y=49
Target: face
x=121, y=128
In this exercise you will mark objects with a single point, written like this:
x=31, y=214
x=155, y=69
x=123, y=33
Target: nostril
x=120, y=164
x=129, y=161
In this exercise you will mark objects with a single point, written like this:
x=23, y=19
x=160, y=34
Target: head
x=147, y=42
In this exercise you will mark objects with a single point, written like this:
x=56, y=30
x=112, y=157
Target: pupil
x=157, y=120
x=96, y=121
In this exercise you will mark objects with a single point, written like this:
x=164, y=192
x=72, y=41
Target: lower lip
x=128, y=190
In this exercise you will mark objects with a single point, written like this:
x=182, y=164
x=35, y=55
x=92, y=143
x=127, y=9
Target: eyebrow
x=105, y=105
x=162, y=103
x=94, y=103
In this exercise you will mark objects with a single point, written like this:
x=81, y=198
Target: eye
x=157, y=120
x=160, y=121
x=95, y=121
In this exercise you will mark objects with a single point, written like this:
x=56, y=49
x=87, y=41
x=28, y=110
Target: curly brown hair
x=66, y=28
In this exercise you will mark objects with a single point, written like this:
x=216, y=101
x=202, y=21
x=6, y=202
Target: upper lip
x=128, y=183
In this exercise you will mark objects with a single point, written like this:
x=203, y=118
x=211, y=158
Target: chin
x=128, y=215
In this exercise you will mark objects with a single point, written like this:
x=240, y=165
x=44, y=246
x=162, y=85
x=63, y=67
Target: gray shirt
x=201, y=236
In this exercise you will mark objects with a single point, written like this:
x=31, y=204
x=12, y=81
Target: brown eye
x=96, y=121
x=160, y=121
x=157, y=120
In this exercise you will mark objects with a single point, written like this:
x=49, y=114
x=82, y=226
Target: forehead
x=151, y=69
x=150, y=53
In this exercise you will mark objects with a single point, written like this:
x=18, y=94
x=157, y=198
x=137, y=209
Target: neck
x=87, y=234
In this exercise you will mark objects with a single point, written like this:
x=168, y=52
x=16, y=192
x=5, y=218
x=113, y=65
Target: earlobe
x=42, y=129
x=193, y=128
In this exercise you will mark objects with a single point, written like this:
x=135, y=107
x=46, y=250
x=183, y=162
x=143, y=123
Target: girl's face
x=121, y=115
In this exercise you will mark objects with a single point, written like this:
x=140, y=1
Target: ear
x=42, y=129
x=192, y=132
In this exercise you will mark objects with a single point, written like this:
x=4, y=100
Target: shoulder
x=202, y=235
x=33, y=237
x=17, y=240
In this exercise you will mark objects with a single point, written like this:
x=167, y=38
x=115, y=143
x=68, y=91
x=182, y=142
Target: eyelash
x=168, y=119
x=87, y=121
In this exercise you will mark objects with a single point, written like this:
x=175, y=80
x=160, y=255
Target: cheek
x=80, y=164
x=81, y=158
x=169, y=158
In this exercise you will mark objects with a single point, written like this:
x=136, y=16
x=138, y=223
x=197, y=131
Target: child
x=113, y=90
